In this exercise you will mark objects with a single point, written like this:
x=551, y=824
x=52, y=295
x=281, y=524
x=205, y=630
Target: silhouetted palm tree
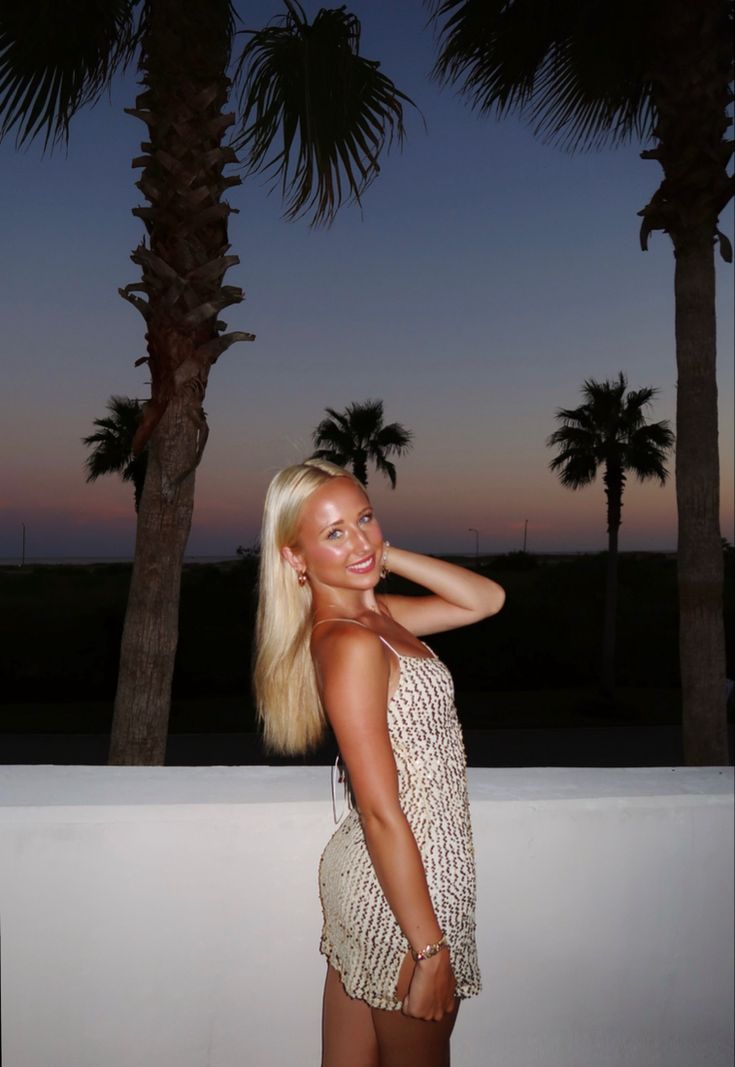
x=357, y=436
x=587, y=74
x=306, y=82
x=333, y=109
x=609, y=431
x=112, y=445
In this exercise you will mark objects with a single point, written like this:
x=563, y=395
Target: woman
x=397, y=877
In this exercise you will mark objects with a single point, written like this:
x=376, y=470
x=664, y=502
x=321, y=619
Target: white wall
x=169, y=917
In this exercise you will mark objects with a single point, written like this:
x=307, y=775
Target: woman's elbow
x=377, y=818
x=498, y=599
x=492, y=601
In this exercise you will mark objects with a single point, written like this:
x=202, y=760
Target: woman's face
x=339, y=541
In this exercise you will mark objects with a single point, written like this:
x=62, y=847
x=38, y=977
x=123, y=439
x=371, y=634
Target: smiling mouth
x=363, y=565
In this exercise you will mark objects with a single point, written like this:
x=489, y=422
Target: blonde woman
x=397, y=878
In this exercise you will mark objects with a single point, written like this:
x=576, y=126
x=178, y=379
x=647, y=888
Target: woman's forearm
x=457, y=585
x=397, y=861
x=400, y=871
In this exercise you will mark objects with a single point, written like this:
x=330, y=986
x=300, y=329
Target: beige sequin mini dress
x=361, y=938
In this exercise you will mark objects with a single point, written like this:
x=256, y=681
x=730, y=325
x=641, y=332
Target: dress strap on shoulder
x=387, y=644
x=358, y=623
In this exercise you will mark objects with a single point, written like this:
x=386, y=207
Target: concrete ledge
x=170, y=916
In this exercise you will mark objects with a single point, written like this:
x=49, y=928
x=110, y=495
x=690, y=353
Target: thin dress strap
x=357, y=623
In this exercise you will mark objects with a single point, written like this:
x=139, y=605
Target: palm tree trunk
x=614, y=492
x=700, y=564
x=150, y=634
x=611, y=608
x=359, y=467
x=691, y=70
x=185, y=54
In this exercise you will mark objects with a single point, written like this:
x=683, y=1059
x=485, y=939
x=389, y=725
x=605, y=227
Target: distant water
x=34, y=561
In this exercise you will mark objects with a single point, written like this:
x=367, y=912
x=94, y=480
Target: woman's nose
x=360, y=537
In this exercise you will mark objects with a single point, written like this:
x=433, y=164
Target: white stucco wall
x=170, y=917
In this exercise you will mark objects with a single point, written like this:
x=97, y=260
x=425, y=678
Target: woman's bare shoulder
x=347, y=641
x=353, y=671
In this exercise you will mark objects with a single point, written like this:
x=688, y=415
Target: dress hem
x=327, y=950
x=463, y=992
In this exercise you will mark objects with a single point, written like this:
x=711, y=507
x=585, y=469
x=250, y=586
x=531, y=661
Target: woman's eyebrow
x=335, y=522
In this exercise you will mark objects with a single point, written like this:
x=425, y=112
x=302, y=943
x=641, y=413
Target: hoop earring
x=302, y=578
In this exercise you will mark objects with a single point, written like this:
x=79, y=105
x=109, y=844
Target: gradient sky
x=487, y=276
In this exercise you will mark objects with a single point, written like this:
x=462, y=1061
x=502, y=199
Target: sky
x=486, y=276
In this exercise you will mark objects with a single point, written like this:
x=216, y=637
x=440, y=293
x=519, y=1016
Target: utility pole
x=525, y=534
x=23, y=545
x=471, y=529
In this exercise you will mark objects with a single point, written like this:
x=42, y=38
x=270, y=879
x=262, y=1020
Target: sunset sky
x=486, y=277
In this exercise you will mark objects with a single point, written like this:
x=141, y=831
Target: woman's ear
x=293, y=559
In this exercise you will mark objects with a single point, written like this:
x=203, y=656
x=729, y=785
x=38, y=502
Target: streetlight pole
x=471, y=529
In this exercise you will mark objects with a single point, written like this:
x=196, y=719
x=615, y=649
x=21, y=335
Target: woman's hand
x=431, y=994
x=460, y=596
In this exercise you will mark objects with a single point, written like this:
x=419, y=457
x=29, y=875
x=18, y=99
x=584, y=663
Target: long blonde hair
x=286, y=692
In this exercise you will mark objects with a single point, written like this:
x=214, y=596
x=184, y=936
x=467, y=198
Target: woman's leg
x=348, y=1034
x=403, y=1041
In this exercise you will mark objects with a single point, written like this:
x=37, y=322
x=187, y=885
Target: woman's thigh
x=402, y=1040
x=348, y=1034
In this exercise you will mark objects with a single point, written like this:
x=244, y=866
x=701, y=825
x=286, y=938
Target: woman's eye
x=333, y=535
x=364, y=519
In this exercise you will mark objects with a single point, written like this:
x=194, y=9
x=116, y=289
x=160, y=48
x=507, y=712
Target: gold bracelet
x=384, y=572
x=430, y=950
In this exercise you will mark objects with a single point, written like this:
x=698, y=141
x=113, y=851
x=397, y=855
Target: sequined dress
x=360, y=936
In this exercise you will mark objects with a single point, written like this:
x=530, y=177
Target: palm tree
x=309, y=84
x=609, y=431
x=357, y=436
x=112, y=445
x=590, y=74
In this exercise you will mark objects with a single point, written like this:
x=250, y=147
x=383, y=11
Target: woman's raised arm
x=457, y=596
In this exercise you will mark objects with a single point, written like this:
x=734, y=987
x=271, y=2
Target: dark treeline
x=61, y=625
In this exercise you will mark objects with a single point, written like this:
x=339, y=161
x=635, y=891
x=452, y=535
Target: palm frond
x=648, y=449
x=112, y=442
x=365, y=420
x=112, y=445
x=393, y=438
x=387, y=468
x=57, y=56
x=575, y=439
x=575, y=71
x=334, y=110
x=333, y=433
x=576, y=469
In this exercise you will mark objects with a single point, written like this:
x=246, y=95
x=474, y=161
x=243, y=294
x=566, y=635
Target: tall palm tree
x=310, y=86
x=588, y=74
x=609, y=431
x=112, y=445
x=357, y=436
